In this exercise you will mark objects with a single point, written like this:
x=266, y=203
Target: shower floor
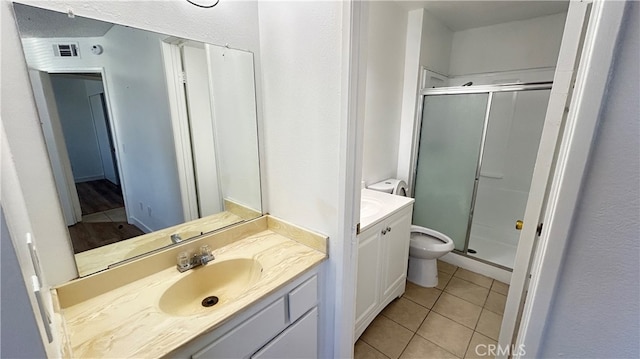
x=493, y=251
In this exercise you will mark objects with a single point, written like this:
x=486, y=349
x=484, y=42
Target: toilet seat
x=425, y=242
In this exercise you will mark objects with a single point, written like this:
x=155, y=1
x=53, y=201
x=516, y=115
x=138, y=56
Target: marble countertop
x=101, y=258
x=127, y=322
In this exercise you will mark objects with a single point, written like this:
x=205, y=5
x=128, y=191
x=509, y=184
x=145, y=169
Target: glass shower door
x=450, y=140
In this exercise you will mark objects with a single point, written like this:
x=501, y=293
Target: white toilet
x=425, y=248
x=426, y=245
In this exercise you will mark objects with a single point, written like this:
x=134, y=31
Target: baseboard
x=136, y=222
x=88, y=178
x=473, y=265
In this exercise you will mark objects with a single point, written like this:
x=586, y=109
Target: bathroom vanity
x=383, y=253
x=265, y=279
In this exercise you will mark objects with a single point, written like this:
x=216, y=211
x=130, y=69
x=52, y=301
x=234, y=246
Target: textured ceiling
x=36, y=22
x=463, y=15
x=456, y=15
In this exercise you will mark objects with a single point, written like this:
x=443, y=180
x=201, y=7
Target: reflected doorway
x=86, y=129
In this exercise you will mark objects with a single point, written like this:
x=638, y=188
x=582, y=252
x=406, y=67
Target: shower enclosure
x=475, y=159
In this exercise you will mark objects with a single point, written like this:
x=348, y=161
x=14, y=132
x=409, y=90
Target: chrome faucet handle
x=206, y=254
x=184, y=262
x=175, y=238
x=187, y=260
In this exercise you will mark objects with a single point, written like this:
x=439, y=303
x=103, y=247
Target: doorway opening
x=85, y=126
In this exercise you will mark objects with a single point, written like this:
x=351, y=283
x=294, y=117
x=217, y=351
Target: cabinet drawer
x=303, y=298
x=241, y=341
x=298, y=341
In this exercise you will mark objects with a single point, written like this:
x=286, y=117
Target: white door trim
x=73, y=193
x=582, y=119
x=556, y=112
x=56, y=147
x=354, y=37
x=113, y=123
x=180, y=126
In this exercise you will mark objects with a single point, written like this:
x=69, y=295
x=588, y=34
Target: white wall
x=383, y=102
x=432, y=40
x=597, y=302
x=79, y=130
x=515, y=45
x=30, y=202
x=302, y=56
x=141, y=116
x=435, y=49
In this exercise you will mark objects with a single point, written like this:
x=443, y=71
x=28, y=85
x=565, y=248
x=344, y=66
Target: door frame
x=539, y=269
x=70, y=197
x=101, y=97
x=180, y=124
x=56, y=147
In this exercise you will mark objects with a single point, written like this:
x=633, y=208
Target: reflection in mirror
x=152, y=139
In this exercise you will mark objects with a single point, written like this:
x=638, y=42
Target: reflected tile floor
x=456, y=319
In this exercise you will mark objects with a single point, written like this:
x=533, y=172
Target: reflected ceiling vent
x=66, y=50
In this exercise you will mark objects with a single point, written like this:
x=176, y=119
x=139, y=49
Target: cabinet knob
x=388, y=229
x=384, y=231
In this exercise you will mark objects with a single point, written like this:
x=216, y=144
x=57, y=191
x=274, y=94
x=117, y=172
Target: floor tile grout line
x=404, y=326
x=489, y=310
x=451, y=294
x=444, y=290
x=415, y=332
x=434, y=302
x=455, y=321
x=436, y=344
x=406, y=346
x=372, y=347
x=490, y=284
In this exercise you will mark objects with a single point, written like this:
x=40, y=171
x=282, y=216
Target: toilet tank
x=391, y=185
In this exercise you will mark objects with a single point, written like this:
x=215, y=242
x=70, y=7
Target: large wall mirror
x=152, y=139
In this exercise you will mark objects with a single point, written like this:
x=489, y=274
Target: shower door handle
x=519, y=224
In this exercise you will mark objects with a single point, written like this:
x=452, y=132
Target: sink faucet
x=175, y=238
x=188, y=261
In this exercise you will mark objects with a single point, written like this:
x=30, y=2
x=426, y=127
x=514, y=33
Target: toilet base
x=423, y=272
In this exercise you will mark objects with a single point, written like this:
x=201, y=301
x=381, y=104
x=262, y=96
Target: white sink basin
x=225, y=280
x=369, y=207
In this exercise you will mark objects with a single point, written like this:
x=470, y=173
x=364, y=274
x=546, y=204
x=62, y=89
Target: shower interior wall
x=519, y=51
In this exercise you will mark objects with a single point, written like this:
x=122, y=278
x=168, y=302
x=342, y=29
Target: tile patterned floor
x=111, y=215
x=465, y=310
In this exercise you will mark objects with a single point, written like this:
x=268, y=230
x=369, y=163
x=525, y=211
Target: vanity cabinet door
x=299, y=341
x=248, y=336
x=367, y=280
x=395, y=244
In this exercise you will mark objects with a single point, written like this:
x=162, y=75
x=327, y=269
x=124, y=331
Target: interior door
x=54, y=139
x=105, y=141
x=560, y=98
x=194, y=62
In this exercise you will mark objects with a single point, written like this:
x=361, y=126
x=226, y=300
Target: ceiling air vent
x=66, y=50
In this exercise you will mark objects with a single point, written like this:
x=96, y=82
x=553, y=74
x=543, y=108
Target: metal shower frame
x=464, y=90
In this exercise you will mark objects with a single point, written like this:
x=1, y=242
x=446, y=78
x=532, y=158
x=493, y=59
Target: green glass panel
x=450, y=140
